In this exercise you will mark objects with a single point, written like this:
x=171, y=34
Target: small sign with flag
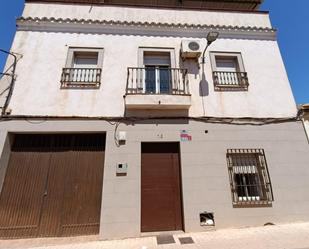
x=185, y=136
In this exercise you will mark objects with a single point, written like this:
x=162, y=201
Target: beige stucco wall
x=306, y=123
x=205, y=182
x=5, y=144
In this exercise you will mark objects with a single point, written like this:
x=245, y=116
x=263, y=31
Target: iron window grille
x=249, y=178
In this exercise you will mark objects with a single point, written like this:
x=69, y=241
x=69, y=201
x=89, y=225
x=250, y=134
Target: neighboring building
x=112, y=124
x=305, y=111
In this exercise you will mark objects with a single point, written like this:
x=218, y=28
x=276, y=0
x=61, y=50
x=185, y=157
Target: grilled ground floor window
x=249, y=177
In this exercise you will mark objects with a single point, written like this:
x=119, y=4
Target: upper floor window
x=249, y=177
x=228, y=72
x=83, y=68
x=85, y=60
x=156, y=73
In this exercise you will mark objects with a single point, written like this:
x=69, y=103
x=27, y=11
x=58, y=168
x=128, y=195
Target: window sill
x=235, y=88
x=68, y=85
x=257, y=204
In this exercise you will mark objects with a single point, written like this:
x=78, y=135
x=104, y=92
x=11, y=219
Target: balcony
x=230, y=81
x=157, y=88
x=81, y=78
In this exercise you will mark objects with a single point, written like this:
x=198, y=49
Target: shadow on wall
x=163, y=113
x=204, y=86
x=163, y=122
x=194, y=67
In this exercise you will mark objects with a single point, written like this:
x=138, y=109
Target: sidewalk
x=290, y=236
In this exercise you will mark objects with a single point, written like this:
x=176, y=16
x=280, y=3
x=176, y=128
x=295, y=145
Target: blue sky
x=289, y=17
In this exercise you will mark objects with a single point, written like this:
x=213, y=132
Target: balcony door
x=157, y=73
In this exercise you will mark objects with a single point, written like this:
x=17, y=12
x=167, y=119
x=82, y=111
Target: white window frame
x=141, y=64
x=229, y=81
x=73, y=50
x=227, y=55
x=252, y=169
x=68, y=81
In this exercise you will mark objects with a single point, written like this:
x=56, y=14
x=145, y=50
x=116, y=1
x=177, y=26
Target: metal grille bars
x=249, y=177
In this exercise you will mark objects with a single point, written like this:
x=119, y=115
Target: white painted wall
x=37, y=90
x=146, y=15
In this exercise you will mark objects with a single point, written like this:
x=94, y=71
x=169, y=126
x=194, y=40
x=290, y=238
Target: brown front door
x=161, y=208
x=53, y=186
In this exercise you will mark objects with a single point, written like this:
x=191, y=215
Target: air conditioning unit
x=191, y=49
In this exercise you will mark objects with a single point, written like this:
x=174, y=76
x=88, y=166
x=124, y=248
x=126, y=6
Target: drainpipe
x=5, y=106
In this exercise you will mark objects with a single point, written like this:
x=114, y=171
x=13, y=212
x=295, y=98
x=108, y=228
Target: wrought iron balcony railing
x=230, y=81
x=157, y=80
x=81, y=77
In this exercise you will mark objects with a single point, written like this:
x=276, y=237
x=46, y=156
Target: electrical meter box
x=121, y=169
x=122, y=136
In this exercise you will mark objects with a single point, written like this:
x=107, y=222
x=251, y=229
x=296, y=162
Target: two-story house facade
x=116, y=124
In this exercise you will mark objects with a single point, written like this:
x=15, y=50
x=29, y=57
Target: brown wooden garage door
x=161, y=205
x=53, y=186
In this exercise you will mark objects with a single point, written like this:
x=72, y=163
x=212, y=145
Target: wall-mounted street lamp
x=211, y=37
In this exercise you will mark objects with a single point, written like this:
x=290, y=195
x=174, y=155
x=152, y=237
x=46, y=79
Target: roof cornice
x=121, y=27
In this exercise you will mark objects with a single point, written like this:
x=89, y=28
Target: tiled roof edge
x=145, y=24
